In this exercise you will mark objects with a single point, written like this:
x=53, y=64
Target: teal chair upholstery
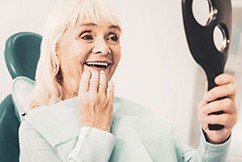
x=9, y=148
x=21, y=54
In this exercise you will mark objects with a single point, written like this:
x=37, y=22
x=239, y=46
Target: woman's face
x=88, y=46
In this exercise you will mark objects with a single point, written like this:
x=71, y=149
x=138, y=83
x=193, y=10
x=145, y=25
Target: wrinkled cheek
x=117, y=56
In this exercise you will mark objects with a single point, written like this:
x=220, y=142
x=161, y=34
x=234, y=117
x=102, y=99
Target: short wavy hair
x=48, y=89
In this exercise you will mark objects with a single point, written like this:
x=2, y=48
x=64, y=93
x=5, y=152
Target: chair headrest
x=22, y=51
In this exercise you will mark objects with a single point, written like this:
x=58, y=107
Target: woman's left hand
x=209, y=104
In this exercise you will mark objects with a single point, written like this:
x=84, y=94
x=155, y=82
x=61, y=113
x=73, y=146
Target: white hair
x=48, y=89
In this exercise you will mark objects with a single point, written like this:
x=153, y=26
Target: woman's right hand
x=95, y=99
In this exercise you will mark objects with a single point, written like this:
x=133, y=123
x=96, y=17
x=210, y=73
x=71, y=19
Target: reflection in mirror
x=201, y=11
x=220, y=39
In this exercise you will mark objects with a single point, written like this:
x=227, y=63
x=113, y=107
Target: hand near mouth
x=95, y=99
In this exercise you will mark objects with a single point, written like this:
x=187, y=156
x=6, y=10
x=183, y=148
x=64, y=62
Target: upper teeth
x=97, y=63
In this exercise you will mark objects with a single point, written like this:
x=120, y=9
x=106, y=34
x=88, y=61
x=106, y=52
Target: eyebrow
x=115, y=27
x=87, y=24
x=93, y=24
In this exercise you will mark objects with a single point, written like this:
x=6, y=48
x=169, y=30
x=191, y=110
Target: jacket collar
x=59, y=123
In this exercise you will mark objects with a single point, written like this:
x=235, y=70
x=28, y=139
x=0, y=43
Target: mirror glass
x=201, y=11
x=219, y=38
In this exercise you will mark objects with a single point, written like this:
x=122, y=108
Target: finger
x=94, y=81
x=223, y=79
x=204, y=125
x=110, y=90
x=202, y=121
x=223, y=119
x=84, y=82
x=227, y=90
x=103, y=83
x=205, y=87
x=226, y=105
x=202, y=104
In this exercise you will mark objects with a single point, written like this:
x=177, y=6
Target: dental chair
x=21, y=56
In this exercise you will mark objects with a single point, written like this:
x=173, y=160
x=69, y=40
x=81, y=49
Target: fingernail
x=201, y=110
x=219, y=80
x=110, y=82
x=102, y=72
x=207, y=97
x=205, y=119
x=86, y=72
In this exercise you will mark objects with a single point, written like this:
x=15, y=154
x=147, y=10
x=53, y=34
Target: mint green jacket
x=53, y=134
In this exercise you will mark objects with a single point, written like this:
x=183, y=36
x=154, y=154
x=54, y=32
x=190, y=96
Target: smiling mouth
x=97, y=64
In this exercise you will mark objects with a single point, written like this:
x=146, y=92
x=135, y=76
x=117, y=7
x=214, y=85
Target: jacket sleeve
x=91, y=145
x=206, y=151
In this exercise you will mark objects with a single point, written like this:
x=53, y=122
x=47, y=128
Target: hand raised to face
x=95, y=99
x=225, y=93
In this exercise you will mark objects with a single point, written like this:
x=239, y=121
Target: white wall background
x=156, y=69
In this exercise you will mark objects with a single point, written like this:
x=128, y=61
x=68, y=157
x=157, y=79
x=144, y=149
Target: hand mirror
x=201, y=41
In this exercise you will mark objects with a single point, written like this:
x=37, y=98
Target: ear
x=57, y=47
x=56, y=59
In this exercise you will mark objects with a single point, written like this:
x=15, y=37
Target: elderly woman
x=75, y=116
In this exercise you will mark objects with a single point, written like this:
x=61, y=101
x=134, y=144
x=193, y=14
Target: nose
x=101, y=47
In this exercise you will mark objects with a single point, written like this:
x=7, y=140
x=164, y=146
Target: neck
x=69, y=89
x=68, y=94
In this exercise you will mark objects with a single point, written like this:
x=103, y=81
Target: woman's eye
x=86, y=36
x=113, y=38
